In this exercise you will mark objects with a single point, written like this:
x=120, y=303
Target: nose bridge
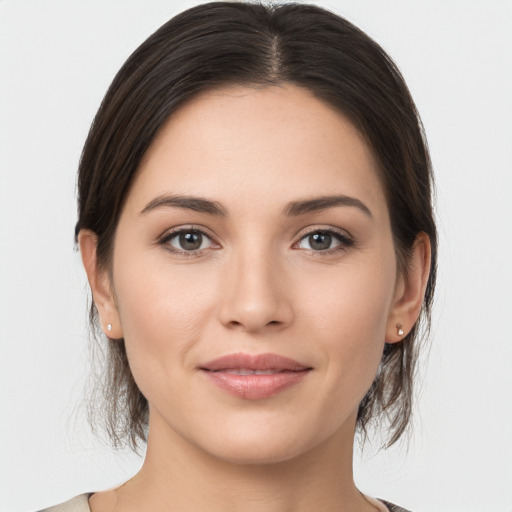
x=256, y=291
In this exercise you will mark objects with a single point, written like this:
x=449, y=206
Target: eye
x=186, y=240
x=324, y=240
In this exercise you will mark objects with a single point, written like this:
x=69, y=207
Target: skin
x=257, y=285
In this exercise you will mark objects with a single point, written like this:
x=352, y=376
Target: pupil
x=191, y=241
x=320, y=241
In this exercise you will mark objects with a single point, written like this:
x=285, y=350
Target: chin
x=260, y=444
x=257, y=453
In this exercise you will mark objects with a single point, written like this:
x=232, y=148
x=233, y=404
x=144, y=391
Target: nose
x=255, y=297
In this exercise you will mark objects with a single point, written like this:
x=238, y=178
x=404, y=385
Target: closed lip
x=254, y=377
x=258, y=362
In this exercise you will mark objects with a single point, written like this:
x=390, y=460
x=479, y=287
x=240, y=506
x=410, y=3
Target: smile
x=254, y=377
x=247, y=371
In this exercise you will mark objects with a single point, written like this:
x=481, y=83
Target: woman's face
x=254, y=275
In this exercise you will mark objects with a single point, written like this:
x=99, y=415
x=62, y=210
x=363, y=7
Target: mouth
x=254, y=377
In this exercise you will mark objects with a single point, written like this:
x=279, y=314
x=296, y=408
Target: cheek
x=348, y=310
x=163, y=311
x=353, y=299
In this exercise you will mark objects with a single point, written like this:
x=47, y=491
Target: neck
x=177, y=475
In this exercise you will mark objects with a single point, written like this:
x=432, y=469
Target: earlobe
x=410, y=291
x=99, y=281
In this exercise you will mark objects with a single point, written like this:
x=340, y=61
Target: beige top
x=81, y=504
x=77, y=504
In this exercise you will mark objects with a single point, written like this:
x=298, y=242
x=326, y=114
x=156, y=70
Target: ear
x=99, y=281
x=410, y=291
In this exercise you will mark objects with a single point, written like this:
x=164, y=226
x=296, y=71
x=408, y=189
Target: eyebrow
x=197, y=204
x=293, y=209
x=317, y=204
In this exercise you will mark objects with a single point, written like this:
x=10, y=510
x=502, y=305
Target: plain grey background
x=57, y=59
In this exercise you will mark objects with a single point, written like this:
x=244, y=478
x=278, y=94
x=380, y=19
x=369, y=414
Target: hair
x=222, y=44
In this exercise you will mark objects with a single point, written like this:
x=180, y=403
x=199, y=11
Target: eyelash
x=344, y=240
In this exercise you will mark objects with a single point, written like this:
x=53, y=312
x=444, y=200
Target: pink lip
x=283, y=373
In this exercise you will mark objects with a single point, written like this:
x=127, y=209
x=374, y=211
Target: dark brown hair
x=230, y=43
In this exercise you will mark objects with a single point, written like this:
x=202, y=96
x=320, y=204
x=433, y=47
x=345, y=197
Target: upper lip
x=254, y=362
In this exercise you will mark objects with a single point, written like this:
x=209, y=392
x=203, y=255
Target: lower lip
x=255, y=387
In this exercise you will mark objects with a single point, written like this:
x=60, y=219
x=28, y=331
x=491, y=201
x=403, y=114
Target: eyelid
x=324, y=229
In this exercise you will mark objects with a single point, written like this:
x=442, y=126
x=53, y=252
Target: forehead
x=275, y=143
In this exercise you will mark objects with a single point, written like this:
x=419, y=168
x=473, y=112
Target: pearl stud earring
x=399, y=330
x=109, y=327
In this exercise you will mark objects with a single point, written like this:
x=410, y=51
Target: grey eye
x=320, y=241
x=189, y=241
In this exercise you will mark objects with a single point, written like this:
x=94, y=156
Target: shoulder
x=383, y=505
x=77, y=504
x=393, y=508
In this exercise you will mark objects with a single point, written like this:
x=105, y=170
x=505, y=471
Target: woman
x=256, y=225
